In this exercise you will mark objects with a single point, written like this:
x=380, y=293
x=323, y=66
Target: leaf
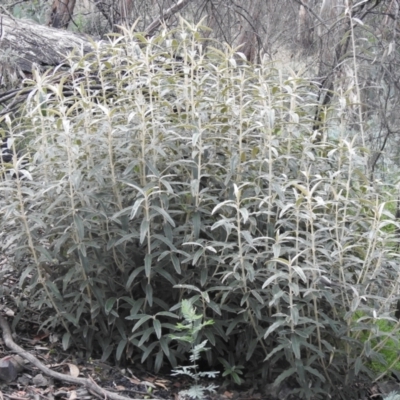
x=197, y=256
x=224, y=203
x=132, y=276
x=233, y=324
x=276, y=349
x=120, y=348
x=164, y=346
x=145, y=336
x=109, y=304
x=301, y=188
x=355, y=302
x=147, y=351
x=164, y=273
x=73, y=370
x=203, y=276
x=358, y=21
x=176, y=263
x=248, y=237
x=65, y=340
x=167, y=241
x=149, y=294
x=167, y=314
x=236, y=378
x=275, y=277
x=80, y=229
x=144, y=227
x=54, y=290
x=189, y=287
x=44, y=252
x=257, y=296
x=245, y=214
x=251, y=346
x=215, y=307
x=107, y=352
x=25, y=273
x=210, y=337
x=196, y=220
x=147, y=264
x=296, y=345
x=164, y=214
x=316, y=373
x=276, y=248
x=158, y=361
x=157, y=328
x=141, y=322
x=274, y=327
x=67, y=278
x=358, y=365
x=284, y=375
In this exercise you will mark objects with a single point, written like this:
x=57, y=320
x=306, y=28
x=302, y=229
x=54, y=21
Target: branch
x=89, y=384
x=165, y=15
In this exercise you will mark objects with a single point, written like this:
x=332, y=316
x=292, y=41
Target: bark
x=248, y=38
x=25, y=45
x=305, y=29
x=61, y=13
x=125, y=12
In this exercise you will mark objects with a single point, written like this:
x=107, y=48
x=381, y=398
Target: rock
x=10, y=367
x=40, y=380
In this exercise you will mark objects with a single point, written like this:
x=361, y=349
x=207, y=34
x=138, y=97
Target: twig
x=89, y=384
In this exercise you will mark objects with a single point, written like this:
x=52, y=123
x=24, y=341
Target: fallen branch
x=90, y=384
x=25, y=45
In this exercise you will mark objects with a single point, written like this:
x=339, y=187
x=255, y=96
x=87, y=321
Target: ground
x=132, y=382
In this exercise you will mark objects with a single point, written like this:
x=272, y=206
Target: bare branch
x=165, y=15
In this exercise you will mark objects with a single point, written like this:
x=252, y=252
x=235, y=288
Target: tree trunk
x=305, y=28
x=125, y=12
x=61, y=13
x=250, y=23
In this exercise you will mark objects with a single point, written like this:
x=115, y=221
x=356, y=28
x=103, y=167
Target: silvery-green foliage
x=199, y=391
x=392, y=396
x=189, y=330
x=156, y=178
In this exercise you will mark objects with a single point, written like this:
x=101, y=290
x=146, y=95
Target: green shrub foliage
x=163, y=170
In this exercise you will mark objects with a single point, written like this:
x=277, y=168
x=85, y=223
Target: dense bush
x=388, y=350
x=163, y=171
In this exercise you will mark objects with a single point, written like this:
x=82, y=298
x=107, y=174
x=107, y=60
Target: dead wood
x=27, y=44
x=89, y=384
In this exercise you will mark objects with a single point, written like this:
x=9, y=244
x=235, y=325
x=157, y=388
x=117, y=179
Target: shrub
x=157, y=178
x=382, y=339
x=188, y=333
x=392, y=396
